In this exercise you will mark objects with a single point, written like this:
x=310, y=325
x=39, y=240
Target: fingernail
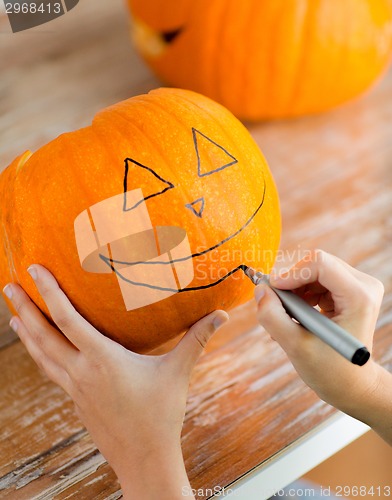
x=14, y=324
x=33, y=272
x=219, y=320
x=259, y=293
x=7, y=290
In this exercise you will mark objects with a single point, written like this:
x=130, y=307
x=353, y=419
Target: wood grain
x=246, y=402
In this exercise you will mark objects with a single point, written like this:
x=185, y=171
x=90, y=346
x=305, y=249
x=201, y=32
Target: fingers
x=314, y=288
x=189, y=349
x=44, y=361
x=320, y=267
x=79, y=331
x=50, y=342
x=275, y=320
x=350, y=289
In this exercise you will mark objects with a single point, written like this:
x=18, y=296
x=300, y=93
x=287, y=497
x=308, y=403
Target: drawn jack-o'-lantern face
x=154, y=262
x=169, y=177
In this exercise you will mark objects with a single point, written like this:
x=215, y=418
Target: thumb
x=189, y=349
x=273, y=317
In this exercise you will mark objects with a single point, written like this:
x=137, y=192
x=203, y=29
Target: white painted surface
x=300, y=457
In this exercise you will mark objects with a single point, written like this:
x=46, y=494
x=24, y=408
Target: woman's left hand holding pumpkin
x=133, y=405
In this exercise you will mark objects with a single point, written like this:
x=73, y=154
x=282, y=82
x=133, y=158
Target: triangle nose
x=196, y=207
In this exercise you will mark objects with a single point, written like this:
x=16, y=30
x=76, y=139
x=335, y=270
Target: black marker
x=329, y=332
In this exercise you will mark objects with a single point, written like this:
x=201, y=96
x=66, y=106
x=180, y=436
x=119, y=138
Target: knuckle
x=64, y=320
x=78, y=386
x=48, y=289
x=312, y=255
x=39, y=359
x=20, y=307
x=202, y=337
x=98, y=366
x=66, y=384
x=367, y=300
x=78, y=372
x=79, y=381
x=318, y=256
x=264, y=305
x=88, y=373
x=37, y=338
x=266, y=317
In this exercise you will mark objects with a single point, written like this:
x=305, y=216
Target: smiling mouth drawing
x=114, y=262
x=117, y=235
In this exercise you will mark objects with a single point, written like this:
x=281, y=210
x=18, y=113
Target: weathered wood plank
x=6, y=334
x=34, y=412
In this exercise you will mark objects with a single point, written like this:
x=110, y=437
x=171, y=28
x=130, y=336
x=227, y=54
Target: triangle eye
x=151, y=183
x=210, y=153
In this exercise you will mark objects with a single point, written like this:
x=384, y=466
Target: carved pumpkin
x=266, y=58
x=179, y=160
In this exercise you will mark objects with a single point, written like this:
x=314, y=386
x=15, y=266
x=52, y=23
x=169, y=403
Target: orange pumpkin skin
x=42, y=194
x=266, y=59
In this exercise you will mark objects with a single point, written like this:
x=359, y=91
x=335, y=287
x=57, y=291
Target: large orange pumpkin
x=185, y=163
x=266, y=58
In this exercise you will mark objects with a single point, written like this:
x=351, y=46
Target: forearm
x=374, y=407
x=159, y=474
x=379, y=415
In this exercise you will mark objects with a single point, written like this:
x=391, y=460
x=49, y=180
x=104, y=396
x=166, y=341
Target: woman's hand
x=352, y=299
x=133, y=405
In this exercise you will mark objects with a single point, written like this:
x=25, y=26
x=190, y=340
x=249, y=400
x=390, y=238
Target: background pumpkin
x=43, y=193
x=266, y=58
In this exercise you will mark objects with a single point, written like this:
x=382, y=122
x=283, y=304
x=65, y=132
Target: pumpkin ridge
x=344, y=56
x=158, y=151
x=208, y=113
x=110, y=154
x=223, y=27
x=187, y=130
x=56, y=237
x=157, y=147
x=270, y=50
x=306, y=32
x=186, y=96
x=212, y=117
x=243, y=85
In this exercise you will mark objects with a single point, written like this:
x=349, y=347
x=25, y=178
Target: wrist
x=361, y=389
x=156, y=472
x=378, y=407
x=371, y=401
x=348, y=388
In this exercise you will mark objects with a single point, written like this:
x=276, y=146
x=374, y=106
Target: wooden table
x=247, y=407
